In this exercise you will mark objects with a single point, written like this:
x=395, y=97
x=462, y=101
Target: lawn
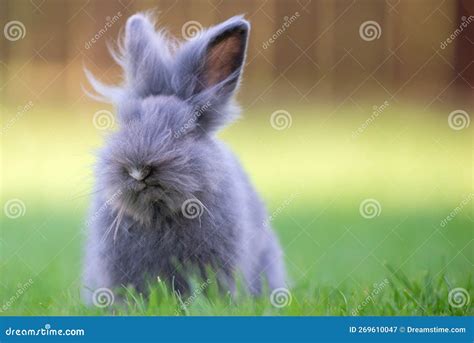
x=315, y=175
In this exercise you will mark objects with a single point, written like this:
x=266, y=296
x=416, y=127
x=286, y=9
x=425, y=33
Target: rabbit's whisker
x=109, y=229
x=117, y=225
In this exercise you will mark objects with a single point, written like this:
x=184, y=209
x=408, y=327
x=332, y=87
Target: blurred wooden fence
x=303, y=50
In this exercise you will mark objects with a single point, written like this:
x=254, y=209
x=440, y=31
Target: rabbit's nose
x=139, y=174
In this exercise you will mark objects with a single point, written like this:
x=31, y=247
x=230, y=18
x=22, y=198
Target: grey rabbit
x=170, y=198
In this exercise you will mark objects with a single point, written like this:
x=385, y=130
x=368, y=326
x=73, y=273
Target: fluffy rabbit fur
x=170, y=198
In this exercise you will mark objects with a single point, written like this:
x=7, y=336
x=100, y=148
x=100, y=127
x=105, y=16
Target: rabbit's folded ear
x=147, y=56
x=212, y=62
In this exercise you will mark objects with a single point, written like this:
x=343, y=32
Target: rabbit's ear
x=147, y=56
x=212, y=62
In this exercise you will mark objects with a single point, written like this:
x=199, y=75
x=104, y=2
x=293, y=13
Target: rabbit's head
x=174, y=98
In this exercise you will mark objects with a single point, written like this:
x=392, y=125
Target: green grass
x=313, y=176
x=333, y=271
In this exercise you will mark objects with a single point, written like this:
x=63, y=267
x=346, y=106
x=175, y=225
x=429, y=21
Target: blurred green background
x=356, y=119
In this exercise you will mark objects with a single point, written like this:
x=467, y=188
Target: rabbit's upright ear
x=147, y=56
x=212, y=62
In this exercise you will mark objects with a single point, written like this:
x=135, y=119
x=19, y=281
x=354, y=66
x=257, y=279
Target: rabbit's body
x=169, y=200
